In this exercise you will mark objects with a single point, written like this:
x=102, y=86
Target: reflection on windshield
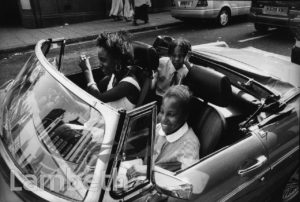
x=52, y=134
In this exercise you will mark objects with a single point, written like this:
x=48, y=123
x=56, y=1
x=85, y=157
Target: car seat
x=146, y=60
x=161, y=44
x=208, y=86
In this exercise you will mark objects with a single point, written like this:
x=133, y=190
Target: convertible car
x=59, y=143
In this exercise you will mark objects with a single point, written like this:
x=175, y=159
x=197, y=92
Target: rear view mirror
x=168, y=184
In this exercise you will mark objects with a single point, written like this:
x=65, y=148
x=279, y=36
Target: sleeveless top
x=123, y=103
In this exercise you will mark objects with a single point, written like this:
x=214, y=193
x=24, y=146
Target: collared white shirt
x=163, y=77
x=176, y=135
x=181, y=147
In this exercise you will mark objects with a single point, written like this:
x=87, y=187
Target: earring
x=118, y=68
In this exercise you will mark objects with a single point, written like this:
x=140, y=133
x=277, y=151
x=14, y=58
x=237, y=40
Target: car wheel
x=291, y=190
x=261, y=27
x=223, y=17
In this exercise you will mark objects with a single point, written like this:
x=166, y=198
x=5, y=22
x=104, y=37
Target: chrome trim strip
x=243, y=186
x=287, y=155
x=291, y=94
x=248, y=183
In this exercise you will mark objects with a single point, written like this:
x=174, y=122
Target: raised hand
x=84, y=63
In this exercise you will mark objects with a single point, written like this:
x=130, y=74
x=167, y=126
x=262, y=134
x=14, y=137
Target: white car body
x=189, y=8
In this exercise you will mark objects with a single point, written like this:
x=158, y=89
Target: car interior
x=218, y=107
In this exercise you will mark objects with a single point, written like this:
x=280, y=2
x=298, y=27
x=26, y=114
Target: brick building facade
x=45, y=13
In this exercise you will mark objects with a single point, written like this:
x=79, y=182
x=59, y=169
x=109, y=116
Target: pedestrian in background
x=141, y=11
x=116, y=11
x=128, y=10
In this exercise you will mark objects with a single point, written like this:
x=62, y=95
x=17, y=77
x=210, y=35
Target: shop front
x=45, y=13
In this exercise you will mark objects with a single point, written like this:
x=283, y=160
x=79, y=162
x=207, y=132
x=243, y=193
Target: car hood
x=272, y=70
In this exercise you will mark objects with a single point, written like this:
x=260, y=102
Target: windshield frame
x=110, y=115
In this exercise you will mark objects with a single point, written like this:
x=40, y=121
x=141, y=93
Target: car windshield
x=52, y=135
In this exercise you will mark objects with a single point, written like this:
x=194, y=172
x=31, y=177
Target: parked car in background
x=60, y=143
x=295, y=54
x=220, y=10
x=272, y=13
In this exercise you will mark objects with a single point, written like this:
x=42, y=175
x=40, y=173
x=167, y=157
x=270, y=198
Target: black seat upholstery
x=161, y=44
x=146, y=60
x=208, y=86
x=208, y=124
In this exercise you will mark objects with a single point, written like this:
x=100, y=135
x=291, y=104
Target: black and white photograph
x=149, y=100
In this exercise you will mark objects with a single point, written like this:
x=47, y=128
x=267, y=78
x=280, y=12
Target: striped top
x=178, y=150
x=123, y=103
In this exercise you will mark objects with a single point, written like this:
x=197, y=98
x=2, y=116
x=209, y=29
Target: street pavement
x=18, y=39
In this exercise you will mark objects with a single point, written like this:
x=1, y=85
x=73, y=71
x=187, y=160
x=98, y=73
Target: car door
x=236, y=172
x=280, y=135
x=233, y=6
x=133, y=147
x=246, y=7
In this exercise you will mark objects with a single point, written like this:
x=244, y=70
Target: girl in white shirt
x=176, y=145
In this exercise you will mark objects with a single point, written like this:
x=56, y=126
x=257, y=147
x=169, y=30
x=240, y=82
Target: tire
x=261, y=27
x=291, y=189
x=223, y=17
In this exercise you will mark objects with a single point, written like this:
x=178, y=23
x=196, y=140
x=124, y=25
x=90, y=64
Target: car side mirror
x=166, y=183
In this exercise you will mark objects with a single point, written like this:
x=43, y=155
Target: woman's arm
x=86, y=68
x=123, y=89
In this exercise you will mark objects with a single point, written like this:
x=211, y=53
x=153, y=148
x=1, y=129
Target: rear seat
x=208, y=86
x=146, y=60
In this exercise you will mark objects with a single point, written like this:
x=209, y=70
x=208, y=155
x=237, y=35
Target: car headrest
x=145, y=56
x=162, y=43
x=209, y=85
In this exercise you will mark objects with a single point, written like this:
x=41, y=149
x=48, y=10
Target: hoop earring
x=118, y=68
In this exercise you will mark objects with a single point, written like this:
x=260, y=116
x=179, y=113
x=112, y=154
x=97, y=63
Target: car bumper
x=269, y=20
x=194, y=13
x=275, y=21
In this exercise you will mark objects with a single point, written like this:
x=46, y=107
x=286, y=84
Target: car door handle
x=260, y=161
